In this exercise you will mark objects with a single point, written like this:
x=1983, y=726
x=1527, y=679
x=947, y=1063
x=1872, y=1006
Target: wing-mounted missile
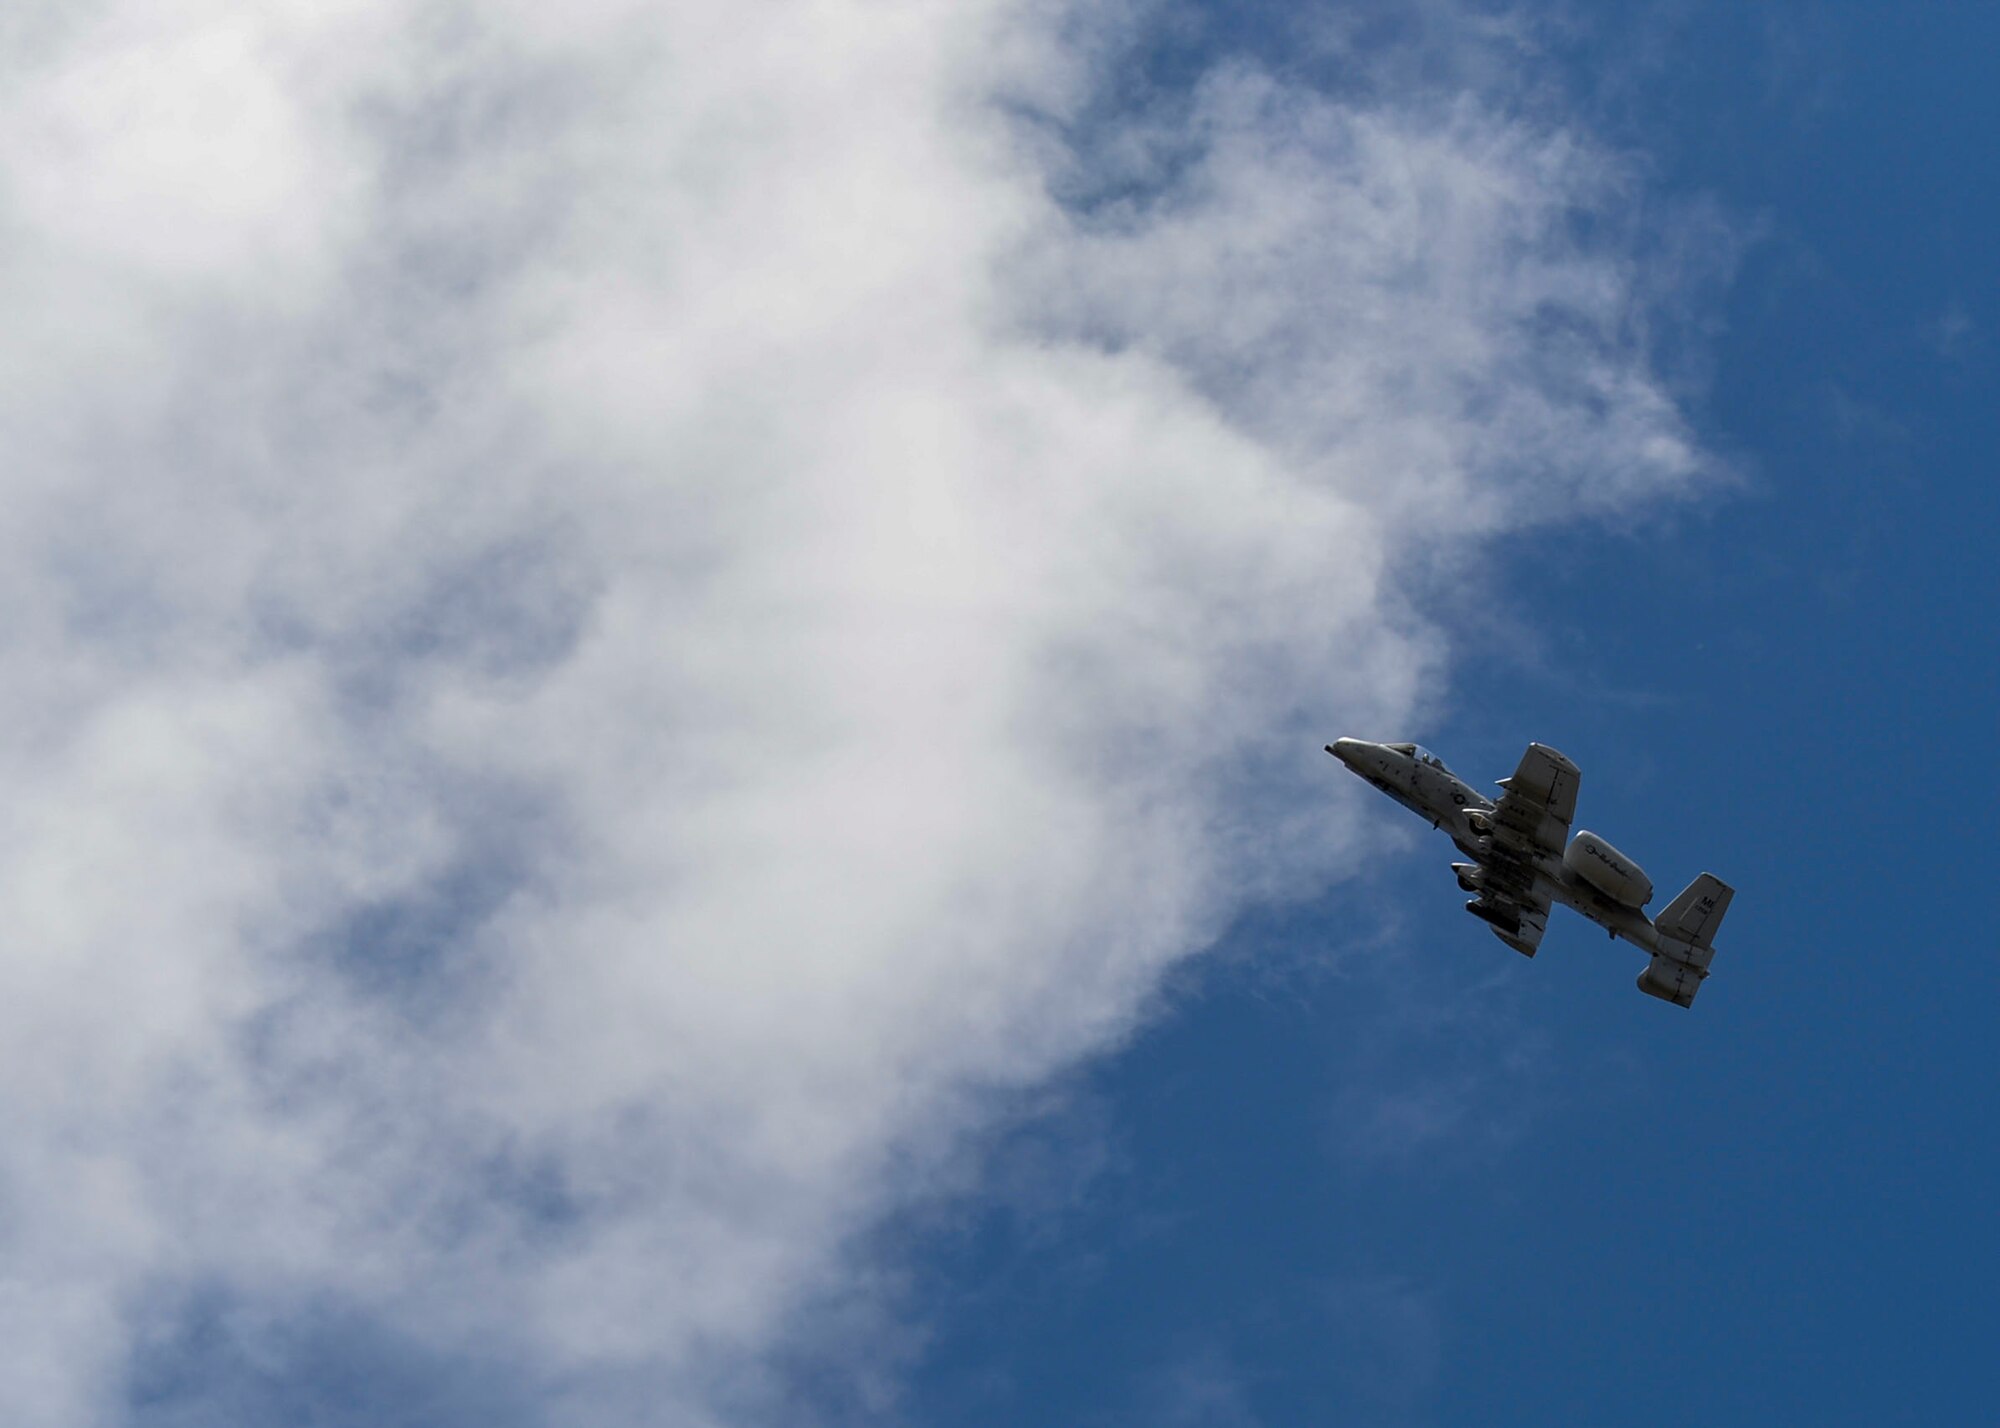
x=1608, y=870
x=1507, y=919
x=1519, y=927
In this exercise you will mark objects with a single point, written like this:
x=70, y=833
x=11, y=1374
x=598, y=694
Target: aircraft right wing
x=1518, y=916
x=1539, y=804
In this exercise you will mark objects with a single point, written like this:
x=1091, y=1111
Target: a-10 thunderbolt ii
x=1524, y=860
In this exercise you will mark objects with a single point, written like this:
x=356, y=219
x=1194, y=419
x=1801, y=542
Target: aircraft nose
x=1345, y=750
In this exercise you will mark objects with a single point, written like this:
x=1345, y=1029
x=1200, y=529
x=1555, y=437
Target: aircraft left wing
x=1539, y=804
x=1532, y=816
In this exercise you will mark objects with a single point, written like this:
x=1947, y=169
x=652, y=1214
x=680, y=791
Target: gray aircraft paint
x=1523, y=860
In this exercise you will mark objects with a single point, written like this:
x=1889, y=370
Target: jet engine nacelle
x=1608, y=870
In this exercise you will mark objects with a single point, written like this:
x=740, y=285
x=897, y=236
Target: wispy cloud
x=1954, y=333
x=1388, y=1335
x=613, y=612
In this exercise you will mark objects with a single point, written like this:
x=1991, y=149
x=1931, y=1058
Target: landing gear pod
x=1608, y=870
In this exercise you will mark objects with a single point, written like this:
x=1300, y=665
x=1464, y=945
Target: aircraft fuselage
x=1422, y=784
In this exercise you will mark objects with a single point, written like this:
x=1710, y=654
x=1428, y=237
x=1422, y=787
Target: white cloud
x=612, y=616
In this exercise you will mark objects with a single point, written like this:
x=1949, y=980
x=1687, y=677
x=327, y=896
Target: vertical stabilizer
x=1697, y=912
x=1687, y=940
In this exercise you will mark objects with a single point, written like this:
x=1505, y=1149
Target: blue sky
x=1370, y=1167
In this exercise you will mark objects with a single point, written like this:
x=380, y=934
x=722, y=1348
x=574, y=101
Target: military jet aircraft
x=1524, y=860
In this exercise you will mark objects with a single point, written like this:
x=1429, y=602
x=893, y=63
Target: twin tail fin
x=1687, y=940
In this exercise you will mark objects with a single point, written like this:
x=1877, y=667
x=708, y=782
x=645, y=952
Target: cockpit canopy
x=1421, y=754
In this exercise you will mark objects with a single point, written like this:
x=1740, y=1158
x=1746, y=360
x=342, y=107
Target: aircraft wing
x=1517, y=918
x=1535, y=812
